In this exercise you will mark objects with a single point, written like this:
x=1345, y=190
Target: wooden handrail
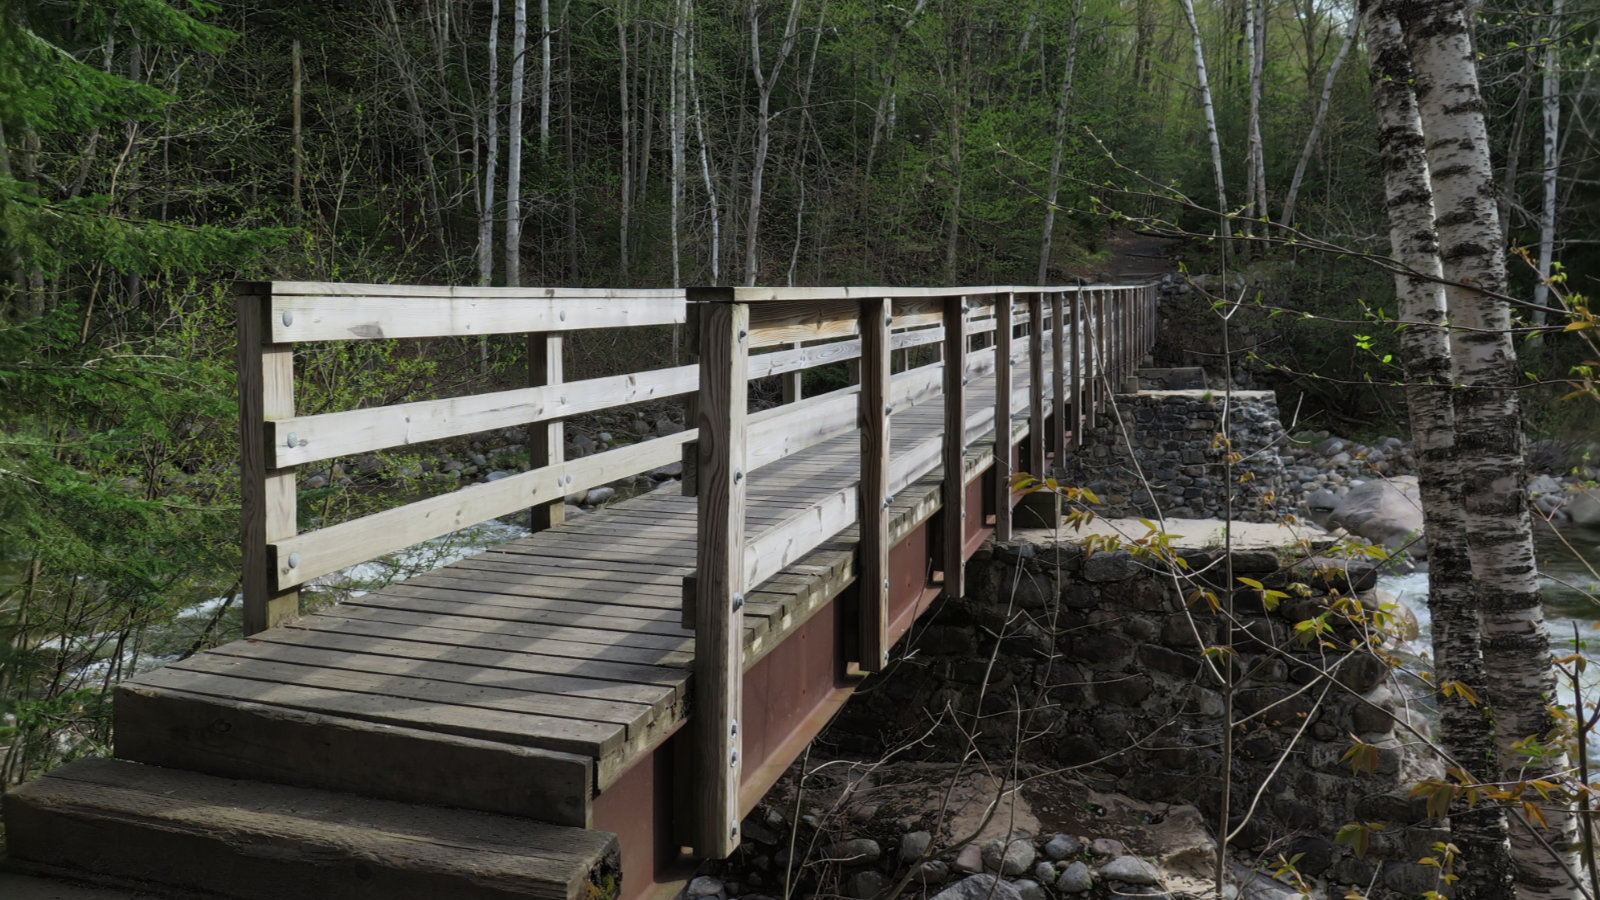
x=1077, y=343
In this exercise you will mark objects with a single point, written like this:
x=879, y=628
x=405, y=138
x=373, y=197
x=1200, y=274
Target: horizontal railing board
x=330, y=549
x=328, y=435
x=295, y=318
x=809, y=320
x=756, y=295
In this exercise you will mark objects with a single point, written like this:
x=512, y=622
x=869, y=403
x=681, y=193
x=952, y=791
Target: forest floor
x=1134, y=256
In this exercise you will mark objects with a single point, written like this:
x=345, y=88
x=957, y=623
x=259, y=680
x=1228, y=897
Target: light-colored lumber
x=953, y=538
x=1037, y=434
x=297, y=318
x=1002, y=417
x=1058, y=379
x=330, y=435
x=266, y=392
x=547, y=443
x=313, y=554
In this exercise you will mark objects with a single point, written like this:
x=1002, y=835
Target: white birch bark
x=544, y=77
x=1316, y=121
x=1488, y=448
x=765, y=83
x=705, y=167
x=676, y=128
x=1465, y=731
x=519, y=50
x=1211, y=116
x=492, y=156
x=1552, y=161
x=1063, y=99
x=1254, y=205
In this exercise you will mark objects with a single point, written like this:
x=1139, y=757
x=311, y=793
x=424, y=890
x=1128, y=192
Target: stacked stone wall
x=1104, y=655
x=1163, y=454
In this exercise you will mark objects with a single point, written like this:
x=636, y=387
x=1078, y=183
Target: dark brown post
x=1058, y=379
x=1002, y=416
x=1036, y=427
x=546, y=440
x=955, y=446
x=266, y=392
x=719, y=588
x=1077, y=369
x=873, y=420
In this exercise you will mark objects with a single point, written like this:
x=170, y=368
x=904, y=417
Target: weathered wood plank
x=266, y=392
x=1058, y=379
x=580, y=635
x=301, y=558
x=1036, y=347
x=300, y=318
x=236, y=739
x=725, y=342
x=546, y=644
x=1002, y=414
x=955, y=447
x=877, y=407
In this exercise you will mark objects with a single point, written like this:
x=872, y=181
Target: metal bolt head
x=288, y=317
x=563, y=315
x=886, y=584
x=292, y=440
x=733, y=727
x=738, y=475
x=733, y=830
x=738, y=602
x=733, y=759
x=743, y=334
x=294, y=560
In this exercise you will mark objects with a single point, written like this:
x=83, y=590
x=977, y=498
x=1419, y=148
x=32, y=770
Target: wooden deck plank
x=441, y=633
x=519, y=629
x=592, y=739
x=656, y=698
x=579, y=709
x=670, y=677
x=482, y=605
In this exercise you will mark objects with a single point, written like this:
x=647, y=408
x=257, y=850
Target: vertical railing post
x=955, y=446
x=1077, y=369
x=1058, y=380
x=546, y=440
x=1102, y=381
x=792, y=382
x=266, y=392
x=873, y=419
x=719, y=585
x=1002, y=415
x=1036, y=428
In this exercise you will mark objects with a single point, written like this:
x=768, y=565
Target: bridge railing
x=1095, y=336
x=274, y=317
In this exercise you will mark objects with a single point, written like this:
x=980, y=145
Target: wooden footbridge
x=579, y=713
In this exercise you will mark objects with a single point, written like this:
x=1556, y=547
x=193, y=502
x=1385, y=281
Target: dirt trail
x=1135, y=256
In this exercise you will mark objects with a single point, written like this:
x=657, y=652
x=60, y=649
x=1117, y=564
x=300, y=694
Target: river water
x=1567, y=566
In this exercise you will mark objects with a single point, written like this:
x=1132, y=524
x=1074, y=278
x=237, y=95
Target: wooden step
x=137, y=826
x=238, y=739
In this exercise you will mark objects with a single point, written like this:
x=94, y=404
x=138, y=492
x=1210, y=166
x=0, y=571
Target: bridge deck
x=568, y=640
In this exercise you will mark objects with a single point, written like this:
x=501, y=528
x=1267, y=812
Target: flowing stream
x=1571, y=605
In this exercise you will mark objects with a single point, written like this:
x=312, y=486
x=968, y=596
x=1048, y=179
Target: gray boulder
x=980, y=887
x=1583, y=507
x=1130, y=870
x=1063, y=846
x=1387, y=512
x=1075, y=880
x=1012, y=858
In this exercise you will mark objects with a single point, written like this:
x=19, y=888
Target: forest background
x=153, y=151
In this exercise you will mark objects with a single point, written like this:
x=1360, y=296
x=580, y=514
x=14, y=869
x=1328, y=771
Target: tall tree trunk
x=544, y=78
x=624, y=103
x=418, y=121
x=1552, y=160
x=519, y=49
x=1211, y=117
x=705, y=167
x=569, y=136
x=299, y=161
x=1252, y=190
x=678, y=119
x=1063, y=101
x=765, y=83
x=960, y=76
x=492, y=155
x=1488, y=447
x=1317, y=120
x=1465, y=730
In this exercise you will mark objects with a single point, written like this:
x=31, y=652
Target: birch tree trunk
x=492, y=156
x=1488, y=448
x=1317, y=120
x=677, y=117
x=1063, y=100
x=544, y=77
x=1254, y=199
x=1465, y=730
x=1552, y=161
x=1211, y=116
x=519, y=49
x=765, y=82
x=705, y=168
